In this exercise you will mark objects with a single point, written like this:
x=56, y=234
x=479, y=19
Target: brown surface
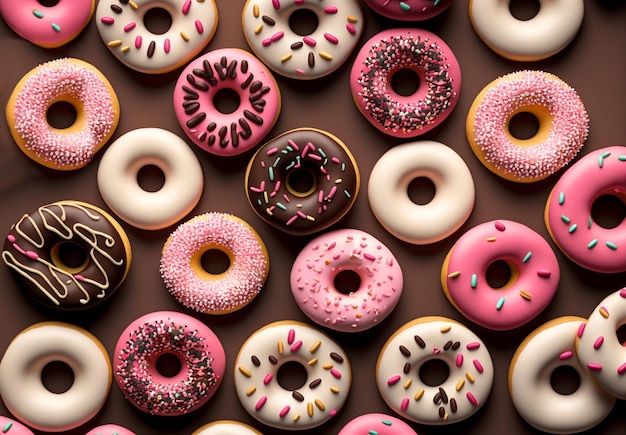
x=594, y=63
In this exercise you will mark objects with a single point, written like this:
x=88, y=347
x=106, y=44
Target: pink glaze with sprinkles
x=12, y=427
x=376, y=424
x=145, y=340
x=110, y=429
x=409, y=10
x=533, y=267
x=192, y=285
x=322, y=261
x=393, y=50
x=568, y=211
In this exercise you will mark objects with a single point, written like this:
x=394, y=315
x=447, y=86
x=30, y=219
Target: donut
x=402, y=49
x=12, y=427
x=110, y=429
x=122, y=27
x=568, y=211
x=236, y=76
x=70, y=81
x=226, y=427
x=328, y=35
x=257, y=371
x=47, y=25
x=302, y=181
x=214, y=293
x=532, y=264
x=562, y=118
x=376, y=424
x=119, y=169
x=68, y=255
x=24, y=360
x=321, y=263
x=150, y=337
x=598, y=347
x=546, y=349
x=544, y=35
x=409, y=10
x=429, y=338
x=414, y=223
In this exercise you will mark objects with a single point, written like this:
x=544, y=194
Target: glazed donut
x=302, y=53
x=12, y=427
x=426, y=338
x=205, y=80
x=23, y=391
x=376, y=424
x=200, y=290
x=421, y=223
x=302, y=181
x=409, y=10
x=48, y=26
x=121, y=24
x=568, y=211
x=563, y=125
x=550, y=31
x=226, y=427
x=420, y=51
x=145, y=340
x=110, y=429
x=533, y=266
x=327, y=371
x=546, y=349
x=598, y=347
x=35, y=251
x=70, y=81
x=119, y=168
x=317, y=267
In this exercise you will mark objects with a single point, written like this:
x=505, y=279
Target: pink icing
x=409, y=10
x=314, y=270
x=380, y=424
x=12, y=427
x=568, y=211
x=464, y=275
x=110, y=429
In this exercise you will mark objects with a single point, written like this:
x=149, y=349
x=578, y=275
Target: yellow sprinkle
x=352, y=19
x=445, y=329
x=296, y=417
x=419, y=394
x=250, y=391
x=258, y=29
x=200, y=1
x=525, y=295
x=125, y=49
x=281, y=347
x=454, y=274
x=265, y=197
x=339, y=181
x=603, y=312
x=445, y=416
x=408, y=383
x=269, y=212
x=315, y=346
x=358, y=315
x=244, y=371
x=491, y=239
x=115, y=43
x=320, y=404
x=309, y=409
x=286, y=57
x=184, y=36
x=310, y=218
x=326, y=56
x=299, y=205
x=312, y=362
x=334, y=390
x=460, y=385
x=327, y=262
x=133, y=5
x=469, y=377
x=255, y=11
x=327, y=366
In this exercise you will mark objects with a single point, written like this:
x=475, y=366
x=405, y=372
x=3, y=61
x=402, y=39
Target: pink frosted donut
x=376, y=424
x=234, y=75
x=409, y=10
x=12, y=427
x=146, y=340
x=318, y=268
x=110, y=429
x=532, y=264
x=47, y=26
x=390, y=51
x=568, y=211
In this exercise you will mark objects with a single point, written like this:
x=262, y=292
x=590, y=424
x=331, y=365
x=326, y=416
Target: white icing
x=225, y=427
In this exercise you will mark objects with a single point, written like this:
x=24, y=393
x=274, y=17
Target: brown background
x=594, y=64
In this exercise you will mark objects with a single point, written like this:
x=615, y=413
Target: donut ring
x=33, y=251
x=110, y=429
x=120, y=166
x=563, y=125
x=70, y=81
x=550, y=31
x=315, y=154
x=409, y=10
x=145, y=340
x=202, y=81
x=423, y=339
x=12, y=427
x=379, y=424
x=568, y=211
x=319, y=399
x=394, y=50
x=268, y=32
x=23, y=391
x=226, y=427
x=121, y=24
x=598, y=347
x=325, y=257
x=547, y=348
x=194, y=287
x=421, y=223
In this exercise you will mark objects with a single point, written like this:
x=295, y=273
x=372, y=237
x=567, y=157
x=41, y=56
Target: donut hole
x=157, y=21
x=524, y=10
x=151, y=178
x=168, y=364
x=215, y=261
x=500, y=274
x=291, y=375
x=434, y=372
x=303, y=22
x=57, y=377
x=226, y=101
x=48, y=3
x=301, y=181
x=621, y=334
x=347, y=282
x=61, y=115
x=69, y=256
x=421, y=190
x=523, y=125
x=565, y=380
x=405, y=82
x=609, y=210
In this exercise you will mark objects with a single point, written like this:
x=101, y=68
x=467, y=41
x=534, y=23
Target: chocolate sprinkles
x=151, y=49
x=297, y=396
x=255, y=360
x=315, y=383
x=420, y=341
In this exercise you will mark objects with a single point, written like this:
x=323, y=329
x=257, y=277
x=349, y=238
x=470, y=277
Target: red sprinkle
x=459, y=360
x=621, y=369
x=566, y=355
x=107, y=20
x=405, y=404
x=291, y=335
x=472, y=399
x=199, y=26
x=260, y=403
x=268, y=378
x=296, y=346
x=598, y=343
x=500, y=226
x=336, y=373
x=596, y=367
x=284, y=411
x=186, y=7
x=478, y=366
x=331, y=9
x=581, y=329
x=130, y=26
x=393, y=380
x=473, y=345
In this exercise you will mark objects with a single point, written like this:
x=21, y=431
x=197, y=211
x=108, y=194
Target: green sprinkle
x=347, y=194
x=276, y=161
x=372, y=432
x=404, y=6
x=37, y=13
x=573, y=228
x=561, y=198
x=602, y=157
x=527, y=257
x=259, y=201
x=321, y=151
x=593, y=243
x=289, y=148
x=281, y=206
x=589, y=222
x=436, y=2
x=621, y=158
x=7, y=427
x=343, y=167
x=285, y=152
x=565, y=219
x=499, y=304
x=474, y=280
x=386, y=422
x=611, y=245
x=56, y=27
x=271, y=173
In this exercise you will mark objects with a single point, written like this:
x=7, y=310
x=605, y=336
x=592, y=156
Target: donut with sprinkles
x=376, y=424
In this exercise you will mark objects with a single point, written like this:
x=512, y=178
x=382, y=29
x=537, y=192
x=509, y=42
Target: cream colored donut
x=434, y=338
x=544, y=35
x=226, y=427
x=414, y=223
x=122, y=161
x=548, y=347
x=23, y=391
x=320, y=397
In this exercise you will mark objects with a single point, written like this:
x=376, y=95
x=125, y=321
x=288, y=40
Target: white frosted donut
x=226, y=427
x=547, y=348
x=23, y=391
x=320, y=397
x=540, y=37
x=434, y=338
x=267, y=29
x=599, y=348
x=121, y=24
x=120, y=166
x=444, y=214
